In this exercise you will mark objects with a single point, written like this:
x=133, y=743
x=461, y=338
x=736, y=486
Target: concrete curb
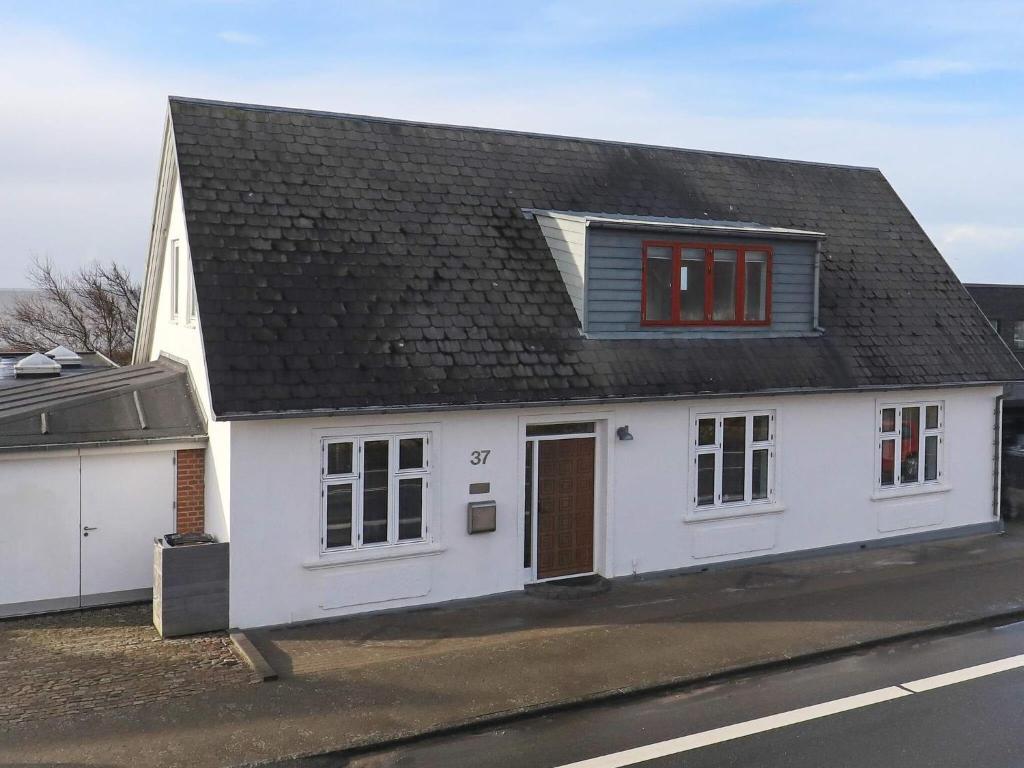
x=504, y=717
x=251, y=655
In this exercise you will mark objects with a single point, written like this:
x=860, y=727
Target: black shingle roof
x=348, y=262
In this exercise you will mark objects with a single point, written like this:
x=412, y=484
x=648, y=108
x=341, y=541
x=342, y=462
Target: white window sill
x=910, y=490
x=374, y=555
x=739, y=510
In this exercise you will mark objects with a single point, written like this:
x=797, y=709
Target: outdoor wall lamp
x=623, y=433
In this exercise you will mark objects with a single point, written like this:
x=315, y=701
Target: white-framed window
x=910, y=444
x=190, y=295
x=373, y=491
x=175, y=272
x=734, y=459
x=1018, y=334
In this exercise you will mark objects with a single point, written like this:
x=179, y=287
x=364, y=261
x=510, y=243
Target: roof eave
x=590, y=401
x=194, y=439
x=167, y=181
x=660, y=224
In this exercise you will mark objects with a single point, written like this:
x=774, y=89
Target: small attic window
x=705, y=284
x=190, y=295
x=175, y=272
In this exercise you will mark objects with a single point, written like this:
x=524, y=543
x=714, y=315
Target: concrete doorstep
x=368, y=681
x=251, y=656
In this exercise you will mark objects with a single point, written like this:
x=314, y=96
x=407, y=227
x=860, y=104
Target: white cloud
x=986, y=253
x=917, y=69
x=239, y=38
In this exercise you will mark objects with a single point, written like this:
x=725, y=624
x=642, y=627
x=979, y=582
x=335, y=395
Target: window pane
x=1018, y=334
x=375, y=491
x=691, y=284
x=339, y=458
x=931, y=457
x=888, y=462
x=571, y=428
x=705, y=432
x=931, y=417
x=410, y=508
x=339, y=516
x=410, y=453
x=659, y=284
x=909, y=459
x=888, y=419
x=759, y=476
x=734, y=442
x=724, y=285
x=760, y=429
x=705, y=479
x=756, y=286
x=175, y=263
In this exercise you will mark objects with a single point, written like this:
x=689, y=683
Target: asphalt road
x=881, y=708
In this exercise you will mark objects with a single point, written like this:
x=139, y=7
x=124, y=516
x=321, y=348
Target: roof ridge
x=507, y=132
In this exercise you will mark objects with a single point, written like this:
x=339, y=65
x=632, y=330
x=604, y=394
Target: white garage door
x=78, y=531
x=39, y=557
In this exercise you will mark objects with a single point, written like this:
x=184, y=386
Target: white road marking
x=739, y=730
x=794, y=717
x=963, y=675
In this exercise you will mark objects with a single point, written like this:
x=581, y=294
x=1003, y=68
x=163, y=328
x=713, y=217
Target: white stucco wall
x=825, y=470
x=181, y=338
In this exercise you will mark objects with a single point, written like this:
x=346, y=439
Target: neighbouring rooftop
x=42, y=365
x=141, y=403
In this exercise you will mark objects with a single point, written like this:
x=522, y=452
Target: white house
x=439, y=362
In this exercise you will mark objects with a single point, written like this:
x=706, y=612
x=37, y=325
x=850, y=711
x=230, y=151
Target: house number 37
x=479, y=457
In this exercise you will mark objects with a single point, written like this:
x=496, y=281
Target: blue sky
x=932, y=93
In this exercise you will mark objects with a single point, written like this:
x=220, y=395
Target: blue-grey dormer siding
x=613, y=285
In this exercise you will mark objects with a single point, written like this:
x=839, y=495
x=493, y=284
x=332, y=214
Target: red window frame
x=739, y=288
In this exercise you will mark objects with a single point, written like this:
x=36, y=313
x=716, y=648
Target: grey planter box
x=190, y=588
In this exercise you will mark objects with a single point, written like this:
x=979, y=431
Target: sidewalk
x=376, y=678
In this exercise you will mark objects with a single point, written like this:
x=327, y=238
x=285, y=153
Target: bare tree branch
x=92, y=309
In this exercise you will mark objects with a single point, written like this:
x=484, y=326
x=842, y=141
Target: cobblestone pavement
x=94, y=660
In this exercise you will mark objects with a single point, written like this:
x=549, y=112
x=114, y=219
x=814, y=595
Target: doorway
x=560, y=496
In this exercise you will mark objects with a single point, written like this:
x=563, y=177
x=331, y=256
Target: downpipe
x=815, y=321
x=997, y=475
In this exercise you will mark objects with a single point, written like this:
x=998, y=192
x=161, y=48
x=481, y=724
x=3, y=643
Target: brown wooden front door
x=565, y=507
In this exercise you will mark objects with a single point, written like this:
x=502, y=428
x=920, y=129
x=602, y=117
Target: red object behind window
x=739, y=283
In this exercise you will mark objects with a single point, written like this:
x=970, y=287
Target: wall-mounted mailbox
x=482, y=516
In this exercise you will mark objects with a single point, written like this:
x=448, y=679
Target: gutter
x=586, y=402
x=104, y=443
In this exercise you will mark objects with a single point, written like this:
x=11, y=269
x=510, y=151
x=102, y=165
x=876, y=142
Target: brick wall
x=191, y=490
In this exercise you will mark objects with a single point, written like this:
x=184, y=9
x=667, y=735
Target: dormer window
x=705, y=284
